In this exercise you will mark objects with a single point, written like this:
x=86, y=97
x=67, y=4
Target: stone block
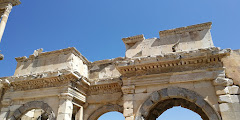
x=224, y=107
x=17, y=113
x=128, y=105
x=141, y=90
x=163, y=93
x=228, y=98
x=147, y=104
x=233, y=90
x=230, y=111
x=223, y=81
x=127, y=112
x=221, y=90
x=129, y=118
x=155, y=97
x=64, y=117
x=14, y=107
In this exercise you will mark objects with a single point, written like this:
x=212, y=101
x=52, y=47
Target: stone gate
x=181, y=68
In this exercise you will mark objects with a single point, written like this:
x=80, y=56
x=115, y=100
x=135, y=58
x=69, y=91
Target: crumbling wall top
x=186, y=29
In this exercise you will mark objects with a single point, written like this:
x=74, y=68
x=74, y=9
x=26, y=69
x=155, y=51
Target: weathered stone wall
x=65, y=59
x=231, y=64
x=175, y=40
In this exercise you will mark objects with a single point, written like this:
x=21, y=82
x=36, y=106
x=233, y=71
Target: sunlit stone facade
x=181, y=68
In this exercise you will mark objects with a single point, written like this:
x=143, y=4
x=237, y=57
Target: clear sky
x=95, y=27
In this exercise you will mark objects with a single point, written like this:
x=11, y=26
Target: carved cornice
x=45, y=80
x=133, y=39
x=105, y=88
x=42, y=83
x=66, y=96
x=128, y=89
x=186, y=29
x=165, y=64
x=61, y=51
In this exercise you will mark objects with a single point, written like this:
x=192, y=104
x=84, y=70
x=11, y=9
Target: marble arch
x=104, y=109
x=18, y=113
x=161, y=100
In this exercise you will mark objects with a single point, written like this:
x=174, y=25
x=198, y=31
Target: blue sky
x=95, y=27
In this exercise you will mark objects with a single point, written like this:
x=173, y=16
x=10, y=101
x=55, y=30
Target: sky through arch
x=179, y=113
x=112, y=116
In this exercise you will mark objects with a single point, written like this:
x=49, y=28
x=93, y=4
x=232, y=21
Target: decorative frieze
x=175, y=63
x=105, y=88
x=130, y=89
x=42, y=83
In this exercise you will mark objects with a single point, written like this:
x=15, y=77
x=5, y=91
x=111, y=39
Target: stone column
x=65, y=108
x=228, y=98
x=4, y=19
x=128, y=95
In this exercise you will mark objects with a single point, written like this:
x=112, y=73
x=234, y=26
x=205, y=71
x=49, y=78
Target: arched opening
x=164, y=105
x=36, y=110
x=179, y=113
x=112, y=116
x=35, y=114
x=162, y=100
x=105, y=109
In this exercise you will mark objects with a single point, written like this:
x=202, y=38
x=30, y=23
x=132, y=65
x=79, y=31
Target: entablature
x=197, y=59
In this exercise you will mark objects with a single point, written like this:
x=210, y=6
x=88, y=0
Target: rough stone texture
x=223, y=81
x=181, y=68
x=229, y=99
x=180, y=39
x=231, y=63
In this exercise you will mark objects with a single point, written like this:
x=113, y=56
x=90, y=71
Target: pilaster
x=128, y=105
x=65, y=108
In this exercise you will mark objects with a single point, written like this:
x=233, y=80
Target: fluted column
x=4, y=19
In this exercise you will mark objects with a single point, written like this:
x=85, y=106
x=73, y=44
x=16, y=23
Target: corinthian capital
x=8, y=9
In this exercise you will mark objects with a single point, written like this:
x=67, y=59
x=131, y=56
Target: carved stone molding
x=105, y=88
x=128, y=89
x=66, y=96
x=154, y=65
x=42, y=83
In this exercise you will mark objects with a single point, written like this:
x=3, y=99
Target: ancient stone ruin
x=181, y=68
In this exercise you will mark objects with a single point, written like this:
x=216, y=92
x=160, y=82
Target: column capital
x=66, y=96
